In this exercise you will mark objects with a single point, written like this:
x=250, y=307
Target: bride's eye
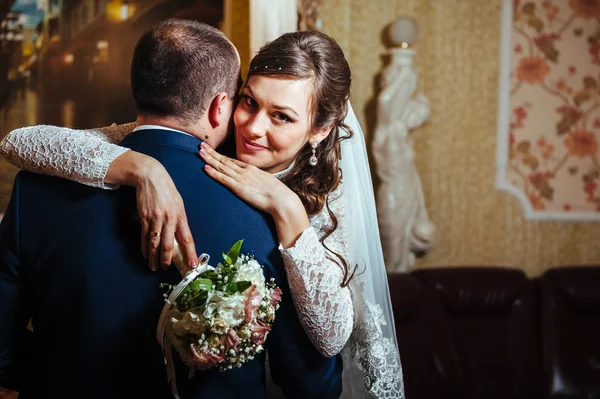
x=249, y=101
x=283, y=118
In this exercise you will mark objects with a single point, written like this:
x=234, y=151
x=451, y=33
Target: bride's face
x=272, y=121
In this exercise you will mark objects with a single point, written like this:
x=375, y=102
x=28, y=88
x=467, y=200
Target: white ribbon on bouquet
x=161, y=333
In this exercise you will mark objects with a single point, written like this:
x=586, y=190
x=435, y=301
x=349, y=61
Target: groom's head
x=185, y=75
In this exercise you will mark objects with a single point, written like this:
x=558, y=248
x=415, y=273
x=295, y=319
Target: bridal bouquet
x=219, y=316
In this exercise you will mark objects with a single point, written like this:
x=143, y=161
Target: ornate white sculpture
x=403, y=220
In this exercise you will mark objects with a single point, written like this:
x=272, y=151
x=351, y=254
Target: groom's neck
x=194, y=130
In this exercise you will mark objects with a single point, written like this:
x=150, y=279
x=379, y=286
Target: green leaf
x=199, y=299
x=232, y=288
x=201, y=284
x=227, y=259
x=234, y=252
x=243, y=285
x=210, y=275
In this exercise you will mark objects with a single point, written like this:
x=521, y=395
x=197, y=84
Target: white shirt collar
x=147, y=127
x=279, y=175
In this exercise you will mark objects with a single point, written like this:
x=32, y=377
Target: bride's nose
x=257, y=124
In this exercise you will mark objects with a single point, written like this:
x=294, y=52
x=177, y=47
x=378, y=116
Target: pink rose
x=259, y=332
x=200, y=360
x=252, y=304
x=275, y=296
x=231, y=340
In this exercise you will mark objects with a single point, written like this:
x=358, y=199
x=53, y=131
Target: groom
x=70, y=260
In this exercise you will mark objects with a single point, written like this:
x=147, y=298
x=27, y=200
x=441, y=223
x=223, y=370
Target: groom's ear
x=215, y=111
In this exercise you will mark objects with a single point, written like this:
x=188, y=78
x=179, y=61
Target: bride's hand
x=254, y=186
x=162, y=215
x=261, y=190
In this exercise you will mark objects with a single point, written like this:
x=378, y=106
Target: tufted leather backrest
x=571, y=332
x=429, y=363
x=491, y=315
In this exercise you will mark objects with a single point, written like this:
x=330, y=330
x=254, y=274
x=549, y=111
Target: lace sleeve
x=80, y=155
x=315, y=278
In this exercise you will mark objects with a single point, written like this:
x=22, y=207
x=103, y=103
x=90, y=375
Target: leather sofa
x=487, y=333
x=570, y=320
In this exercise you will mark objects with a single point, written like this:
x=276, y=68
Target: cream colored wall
x=237, y=28
x=458, y=62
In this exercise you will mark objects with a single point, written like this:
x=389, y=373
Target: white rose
x=189, y=323
x=231, y=309
x=212, y=301
x=244, y=333
x=220, y=326
x=252, y=272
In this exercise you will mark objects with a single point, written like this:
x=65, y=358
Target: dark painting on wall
x=66, y=62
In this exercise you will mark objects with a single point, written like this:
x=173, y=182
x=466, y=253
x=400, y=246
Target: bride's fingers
x=239, y=164
x=207, y=151
x=222, y=164
x=186, y=242
x=222, y=178
x=167, y=244
x=154, y=239
x=145, y=235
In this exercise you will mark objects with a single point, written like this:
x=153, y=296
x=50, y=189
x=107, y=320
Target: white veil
x=372, y=366
x=371, y=360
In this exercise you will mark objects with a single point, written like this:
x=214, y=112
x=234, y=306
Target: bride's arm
x=91, y=157
x=84, y=156
x=315, y=278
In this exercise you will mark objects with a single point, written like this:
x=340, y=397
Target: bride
x=296, y=136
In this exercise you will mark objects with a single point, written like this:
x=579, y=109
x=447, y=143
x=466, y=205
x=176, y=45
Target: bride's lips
x=253, y=147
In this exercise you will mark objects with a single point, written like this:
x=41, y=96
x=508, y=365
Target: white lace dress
x=326, y=310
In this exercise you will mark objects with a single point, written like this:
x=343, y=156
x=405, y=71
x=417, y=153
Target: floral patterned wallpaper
x=554, y=130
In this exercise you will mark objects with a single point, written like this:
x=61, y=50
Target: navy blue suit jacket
x=70, y=261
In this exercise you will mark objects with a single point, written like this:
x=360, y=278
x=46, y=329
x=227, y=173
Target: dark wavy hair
x=316, y=56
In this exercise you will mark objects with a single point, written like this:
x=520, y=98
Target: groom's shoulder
x=28, y=185
x=29, y=180
x=216, y=201
x=223, y=200
x=25, y=179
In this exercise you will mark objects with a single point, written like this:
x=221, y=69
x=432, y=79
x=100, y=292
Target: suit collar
x=162, y=137
x=158, y=127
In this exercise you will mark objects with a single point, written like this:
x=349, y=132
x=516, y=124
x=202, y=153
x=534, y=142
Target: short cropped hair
x=179, y=66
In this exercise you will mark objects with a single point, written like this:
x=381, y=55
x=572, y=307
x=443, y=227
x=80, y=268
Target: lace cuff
x=81, y=156
x=303, y=243
x=324, y=307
